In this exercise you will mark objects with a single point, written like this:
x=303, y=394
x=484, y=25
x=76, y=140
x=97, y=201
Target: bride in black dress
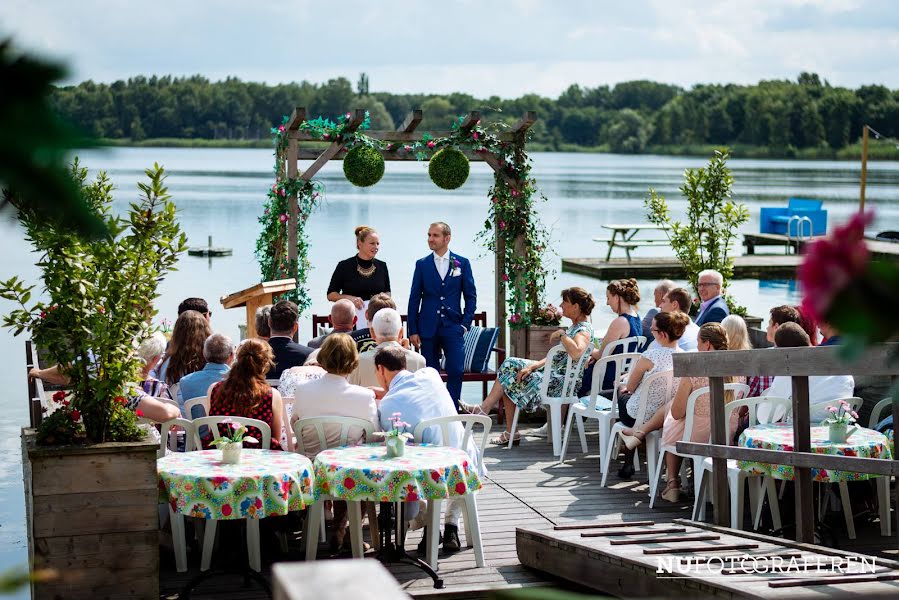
x=360, y=277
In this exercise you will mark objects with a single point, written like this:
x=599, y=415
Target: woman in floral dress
x=518, y=380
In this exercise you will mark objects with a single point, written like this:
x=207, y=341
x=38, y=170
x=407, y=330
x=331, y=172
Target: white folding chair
x=470, y=516
x=736, y=477
x=739, y=391
x=176, y=518
x=662, y=378
x=265, y=432
x=315, y=518
x=567, y=393
x=579, y=411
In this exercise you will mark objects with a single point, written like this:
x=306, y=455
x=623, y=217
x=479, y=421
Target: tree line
x=629, y=117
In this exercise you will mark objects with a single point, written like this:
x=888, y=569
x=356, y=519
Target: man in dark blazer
x=436, y=320
x=283, y=323
x=713, y=306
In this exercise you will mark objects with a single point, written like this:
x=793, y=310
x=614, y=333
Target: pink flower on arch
x=502, y=224
x=431, y=144
x=515, y=318
x=283, y=218
x=505, y=277
x=475, y=135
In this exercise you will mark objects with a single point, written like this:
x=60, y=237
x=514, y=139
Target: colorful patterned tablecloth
x=266, y=483
x=423, y=473
x=864, y=443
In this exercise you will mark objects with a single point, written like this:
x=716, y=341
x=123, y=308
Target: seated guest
x=662, y=288
x=738, y=339
x=667, y=328
x=283, y=323
x=823, y=391
x=418, y=397
x=197, y=304
x=185, y=352
x=219, y=354
x=363, y=337
x=263, y=332
x=712, y=307
x=672, y=417
x=809, y=325
x=518, y=380
x=342, y=319
x=150, y=351
x=333, y=395
x=387, y=328
x=780, y=315
x=679, y=299
x=244, y=392
x=831, y=334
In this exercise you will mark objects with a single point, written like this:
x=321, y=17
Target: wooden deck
x=878, y=249
x=525, y=488
x=757, y=266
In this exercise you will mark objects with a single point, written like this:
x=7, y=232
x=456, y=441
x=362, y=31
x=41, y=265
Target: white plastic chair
x=315, y=518
x=877, y=412
x=883, y=483
x=604, y=416
x=252, y=524
x=739, y=391
x=624, y=345
x=470, y=518
x=203, y=401
x=567, y=394
x=176, y=518
x=736, y=477
x=651, y=441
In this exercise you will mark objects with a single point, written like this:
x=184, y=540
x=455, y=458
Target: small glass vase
x=231, y=453
x=396, y=446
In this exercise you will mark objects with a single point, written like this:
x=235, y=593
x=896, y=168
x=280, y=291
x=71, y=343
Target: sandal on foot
x=632, y=441
x=471, y=409
x=503, y=439
x=672, y=491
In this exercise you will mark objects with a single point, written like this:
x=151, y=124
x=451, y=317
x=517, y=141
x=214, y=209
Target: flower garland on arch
x=511, y=210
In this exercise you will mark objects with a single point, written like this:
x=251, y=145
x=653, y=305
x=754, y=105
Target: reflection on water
x=219, y=192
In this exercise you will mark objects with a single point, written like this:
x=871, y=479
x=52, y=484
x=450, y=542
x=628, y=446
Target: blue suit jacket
x=715, y=313
x=435, y=302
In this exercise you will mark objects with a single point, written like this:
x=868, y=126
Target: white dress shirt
x=442, y=263
x=823, y=391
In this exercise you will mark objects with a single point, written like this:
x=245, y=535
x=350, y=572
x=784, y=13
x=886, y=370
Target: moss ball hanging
x=363, y=166
x=448, y=168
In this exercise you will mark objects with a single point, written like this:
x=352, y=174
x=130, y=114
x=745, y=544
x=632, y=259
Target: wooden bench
x=479, y=320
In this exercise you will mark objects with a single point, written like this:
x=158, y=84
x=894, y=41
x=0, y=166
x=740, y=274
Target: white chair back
x=274, y=383
x=738, y=390
x=628, y=344
x=573, y=368
x=855, y=402
x=665, y=379
x=877, y=411
x=198, y=401
x=775, y=406
x=213, y=422
x=467, y=421
x=173, y=391
x=621, y=363
x=319, y=423
x=190, y=434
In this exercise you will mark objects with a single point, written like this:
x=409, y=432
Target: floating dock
x=877, y=248
x=757, y=266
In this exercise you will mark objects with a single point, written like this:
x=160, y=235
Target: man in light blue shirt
x=219, y=353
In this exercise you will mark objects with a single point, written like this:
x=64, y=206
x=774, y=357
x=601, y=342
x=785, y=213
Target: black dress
x=347, y=279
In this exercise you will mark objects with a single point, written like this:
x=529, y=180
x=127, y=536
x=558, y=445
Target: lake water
x=220, y=192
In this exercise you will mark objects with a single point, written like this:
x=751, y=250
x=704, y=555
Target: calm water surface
x=220, y=192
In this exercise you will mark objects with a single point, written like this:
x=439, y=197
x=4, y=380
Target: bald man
x=342, y=319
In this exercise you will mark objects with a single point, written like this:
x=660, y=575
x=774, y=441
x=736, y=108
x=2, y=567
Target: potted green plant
x=544, y=321
x=89, y=464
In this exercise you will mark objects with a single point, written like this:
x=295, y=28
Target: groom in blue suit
x=437, y=321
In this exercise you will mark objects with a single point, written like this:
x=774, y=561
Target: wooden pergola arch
x=406, y=134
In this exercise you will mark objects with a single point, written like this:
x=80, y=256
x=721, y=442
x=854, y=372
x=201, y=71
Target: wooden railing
x=798, y=363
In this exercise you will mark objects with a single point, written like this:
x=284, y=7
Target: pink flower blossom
x=431, y=144
x=326, y=136
x=502, y=224
x=515, y=318
x=474, y=135
x=283, y=192
x=831, y=264
x=407, y=148
x=283, y=218
x=348, y=115
x=494, y=199
x=514, y=192
x=505, y=277
x=281, y=128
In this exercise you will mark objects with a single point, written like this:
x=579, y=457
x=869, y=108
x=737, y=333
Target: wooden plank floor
x=526, y=487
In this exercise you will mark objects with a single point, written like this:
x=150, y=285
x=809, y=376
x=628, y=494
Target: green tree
x=626, y=132
x=362, y=85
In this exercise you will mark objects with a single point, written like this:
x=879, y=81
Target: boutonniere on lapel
x=457, y=268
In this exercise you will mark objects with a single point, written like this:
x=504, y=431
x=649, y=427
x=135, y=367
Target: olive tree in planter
x=90, y=475
x=713, y=220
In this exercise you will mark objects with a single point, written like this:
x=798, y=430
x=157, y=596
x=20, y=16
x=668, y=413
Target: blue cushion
x=479, y=341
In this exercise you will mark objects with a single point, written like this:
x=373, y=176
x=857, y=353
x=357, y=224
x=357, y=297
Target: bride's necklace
x=365, y=271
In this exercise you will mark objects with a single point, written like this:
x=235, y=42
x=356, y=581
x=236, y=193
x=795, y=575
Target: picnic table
x=623, y=235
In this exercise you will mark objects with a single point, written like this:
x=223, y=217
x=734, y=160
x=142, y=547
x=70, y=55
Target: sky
x=484, y=47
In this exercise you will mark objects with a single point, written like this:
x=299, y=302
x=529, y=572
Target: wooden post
x=895, y=380
x=501, y=319
x=293, y=125
x=861, y=197
x=719, y=465
x=802, y=442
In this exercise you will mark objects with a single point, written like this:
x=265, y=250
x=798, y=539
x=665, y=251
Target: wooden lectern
x=256, y=296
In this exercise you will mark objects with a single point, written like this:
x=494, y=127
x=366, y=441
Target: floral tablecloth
x=864, y=443
x=423, y=473
x=266, y=483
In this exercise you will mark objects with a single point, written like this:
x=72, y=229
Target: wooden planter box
x=92, y=515
x=537, y=341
